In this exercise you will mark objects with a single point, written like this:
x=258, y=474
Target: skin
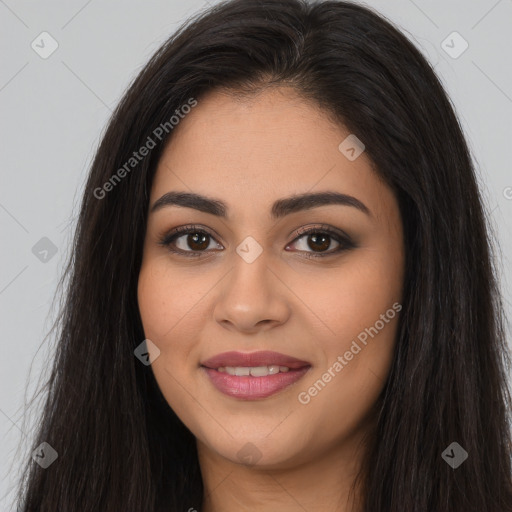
x=266, y=147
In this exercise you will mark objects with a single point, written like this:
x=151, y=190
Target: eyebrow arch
x=280, y=208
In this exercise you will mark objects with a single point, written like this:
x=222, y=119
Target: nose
x=252, y=298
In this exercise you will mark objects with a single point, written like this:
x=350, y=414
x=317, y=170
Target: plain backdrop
x=54, y=110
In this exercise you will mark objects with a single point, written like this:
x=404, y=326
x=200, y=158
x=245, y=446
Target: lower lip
x=252, y=388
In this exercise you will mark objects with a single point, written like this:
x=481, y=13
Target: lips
x=253, y=359
x=253, y=388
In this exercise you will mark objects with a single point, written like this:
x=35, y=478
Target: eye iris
x=315, y=237
x=198, y=238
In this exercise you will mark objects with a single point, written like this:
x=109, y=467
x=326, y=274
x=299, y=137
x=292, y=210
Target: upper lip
x=263, y=358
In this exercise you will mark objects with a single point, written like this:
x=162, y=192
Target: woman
x=281, y=294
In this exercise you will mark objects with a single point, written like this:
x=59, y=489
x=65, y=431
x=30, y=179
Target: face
x=315, y=280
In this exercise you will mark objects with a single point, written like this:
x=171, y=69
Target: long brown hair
x=120, y=445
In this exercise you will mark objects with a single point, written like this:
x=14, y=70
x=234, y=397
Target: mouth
x=252, y=376
x=254, y=371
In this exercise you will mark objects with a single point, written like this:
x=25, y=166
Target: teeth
x=254, y=371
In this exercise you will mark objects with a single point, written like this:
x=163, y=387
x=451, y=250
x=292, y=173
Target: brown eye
x=312, y=242
x=188, y=241
x=315, y=242
x=197, y=241
x=319, y=241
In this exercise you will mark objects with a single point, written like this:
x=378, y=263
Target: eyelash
x=343, y=239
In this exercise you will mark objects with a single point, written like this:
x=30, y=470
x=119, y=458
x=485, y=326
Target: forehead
x=253, y=151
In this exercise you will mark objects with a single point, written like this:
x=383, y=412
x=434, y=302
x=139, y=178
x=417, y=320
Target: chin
x=253, y=450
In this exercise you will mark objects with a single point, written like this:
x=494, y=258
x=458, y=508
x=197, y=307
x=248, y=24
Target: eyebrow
x=280, y=208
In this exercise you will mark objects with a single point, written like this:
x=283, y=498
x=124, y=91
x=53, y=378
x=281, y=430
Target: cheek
x=355, y=295
x=360, y=310
x=173, y=308
x=169, y=300
x=340, y=394
x=157, y=308
x=167, y=315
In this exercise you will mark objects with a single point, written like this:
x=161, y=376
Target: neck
x=326, y=482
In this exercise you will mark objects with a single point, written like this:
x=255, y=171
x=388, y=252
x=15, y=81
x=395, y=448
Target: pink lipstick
x=254, y=375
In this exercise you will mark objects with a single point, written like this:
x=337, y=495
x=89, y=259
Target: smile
x=248, y=386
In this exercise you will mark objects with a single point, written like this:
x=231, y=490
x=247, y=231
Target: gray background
x=54, y=110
